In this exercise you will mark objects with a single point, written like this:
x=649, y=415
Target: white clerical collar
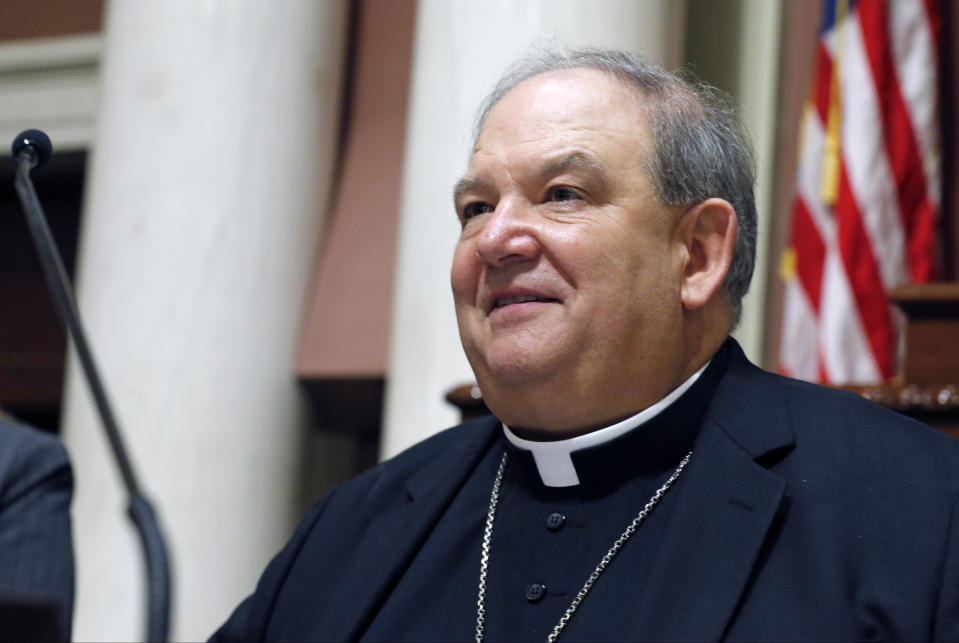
x=553, y=459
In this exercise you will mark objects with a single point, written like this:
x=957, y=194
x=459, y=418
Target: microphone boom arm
x=139, y=508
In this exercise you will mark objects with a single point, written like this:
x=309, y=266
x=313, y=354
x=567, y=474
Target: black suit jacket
x=36, y=544
x=805, y=514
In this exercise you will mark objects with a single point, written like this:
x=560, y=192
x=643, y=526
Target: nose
x=509, y=234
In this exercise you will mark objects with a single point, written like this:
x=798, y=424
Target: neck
x=610, y=428
x=553, y=457
x=561, y=415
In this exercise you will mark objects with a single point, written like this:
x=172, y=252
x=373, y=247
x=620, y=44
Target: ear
x=708, y=233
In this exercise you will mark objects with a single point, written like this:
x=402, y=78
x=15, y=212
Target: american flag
x=867, y=191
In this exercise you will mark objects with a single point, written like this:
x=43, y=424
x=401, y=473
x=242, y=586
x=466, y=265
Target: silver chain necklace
x=603, y=563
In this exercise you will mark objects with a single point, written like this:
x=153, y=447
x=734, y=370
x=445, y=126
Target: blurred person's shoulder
x=25, y=454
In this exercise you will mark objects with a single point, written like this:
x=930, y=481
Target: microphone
x=31, y=150
x=35, y=144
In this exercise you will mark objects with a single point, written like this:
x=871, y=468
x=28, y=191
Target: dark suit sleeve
x=36, y=543
x=250, y=619
x=947, y=611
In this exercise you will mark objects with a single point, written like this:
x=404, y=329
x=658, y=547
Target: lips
x=507, y=299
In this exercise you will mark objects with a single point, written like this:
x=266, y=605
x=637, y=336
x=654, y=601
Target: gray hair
x=700, y=149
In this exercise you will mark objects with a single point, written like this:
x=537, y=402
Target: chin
x=514, y=391
x=517, y=371
x=512, y=370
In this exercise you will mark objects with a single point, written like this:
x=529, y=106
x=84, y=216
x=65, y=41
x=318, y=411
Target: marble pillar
x=211, y=169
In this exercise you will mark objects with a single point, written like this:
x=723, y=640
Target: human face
x=568, y=270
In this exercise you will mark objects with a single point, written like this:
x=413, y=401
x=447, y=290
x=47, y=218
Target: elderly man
x=640, y=480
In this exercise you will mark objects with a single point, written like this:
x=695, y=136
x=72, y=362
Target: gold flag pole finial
x=831, y=149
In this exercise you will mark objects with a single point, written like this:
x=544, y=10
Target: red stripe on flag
x=821, y=82
x=921, y=243
x=929, y=233
x=810, y=252
x=902, y=146
x=864, y=277
x=934, y=18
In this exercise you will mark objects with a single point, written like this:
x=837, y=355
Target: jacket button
x=555, y=521
x=535, y=592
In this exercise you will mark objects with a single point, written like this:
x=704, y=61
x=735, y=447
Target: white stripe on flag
x=800, y=330
x=809, y=177
x=913, y=50
x=845, y=351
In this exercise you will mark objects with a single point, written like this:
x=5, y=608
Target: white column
x=461, y=48
x=210, y=173
x=756, y=62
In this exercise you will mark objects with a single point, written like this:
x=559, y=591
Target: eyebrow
x=466, y=185
x=577, y=160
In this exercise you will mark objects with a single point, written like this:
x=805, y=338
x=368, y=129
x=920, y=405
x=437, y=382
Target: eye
x=476, y=208
x=562, y=193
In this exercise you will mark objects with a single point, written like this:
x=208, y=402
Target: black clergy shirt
x=546, y=541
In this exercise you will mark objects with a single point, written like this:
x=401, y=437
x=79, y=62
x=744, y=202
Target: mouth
x=499, y=302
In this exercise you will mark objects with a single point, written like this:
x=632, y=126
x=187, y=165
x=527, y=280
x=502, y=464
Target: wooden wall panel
x=21, y=19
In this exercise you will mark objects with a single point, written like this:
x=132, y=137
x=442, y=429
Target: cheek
x=463, y=273
x=635, y=281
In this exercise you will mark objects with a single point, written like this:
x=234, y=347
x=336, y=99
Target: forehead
x=566, y=107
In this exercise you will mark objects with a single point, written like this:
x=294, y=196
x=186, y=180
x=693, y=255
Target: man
x=36, y=543
x=641, y=480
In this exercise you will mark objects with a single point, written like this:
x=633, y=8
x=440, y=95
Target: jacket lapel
x=722, y=510
x=393, y=536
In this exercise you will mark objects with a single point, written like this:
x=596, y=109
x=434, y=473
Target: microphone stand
x=31, y=149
